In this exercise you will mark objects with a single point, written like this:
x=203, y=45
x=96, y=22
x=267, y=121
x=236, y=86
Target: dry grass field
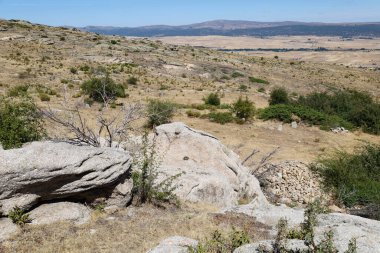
x=340, y=47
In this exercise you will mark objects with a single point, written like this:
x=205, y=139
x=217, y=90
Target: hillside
x=193, y=159
x=245, y=28
x=48, y=56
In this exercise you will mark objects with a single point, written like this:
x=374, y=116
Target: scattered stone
x=339, y=130
x=59, y=212
x=290, y=182
x=294, y=125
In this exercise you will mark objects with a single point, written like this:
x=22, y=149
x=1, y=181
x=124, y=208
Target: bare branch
x=254, y=152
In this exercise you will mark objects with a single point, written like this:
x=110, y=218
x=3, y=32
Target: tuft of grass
x=18, y=91
x=221, y=117
x=253, y=79
x=19, y=217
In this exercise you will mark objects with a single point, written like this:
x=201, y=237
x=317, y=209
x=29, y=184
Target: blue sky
x=177, y=12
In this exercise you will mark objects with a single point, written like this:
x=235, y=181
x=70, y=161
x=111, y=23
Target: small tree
x=279, y=96
x=146, y=188
x=20, y=122
x=243, y=109
x=103, y=89
x=212, y=99
x=159, y=112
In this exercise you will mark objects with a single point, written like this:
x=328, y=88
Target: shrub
x=257, y=80
x=193, y=114
x=243, y=87
x=279, y=96
x=20, y=122
x=73, y=70
x=84, y=68
x=261, y=89
x=132, y=80
x=212, y=99
x=221, y=117
x=159, y=112
x=284, y=112
x=354, y=178
x=353, y=106
x=103, y=89
x=19, y=217
x=18, y=91
x=146, y=189
x=44, y=97
x=237, y=74
x=221, y=243
x=243, y=109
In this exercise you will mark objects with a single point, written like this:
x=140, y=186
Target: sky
x=134, y=13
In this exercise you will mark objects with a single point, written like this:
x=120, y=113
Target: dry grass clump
x=134, y=229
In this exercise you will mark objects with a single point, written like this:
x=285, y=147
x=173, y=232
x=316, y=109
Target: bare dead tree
x=110, y=126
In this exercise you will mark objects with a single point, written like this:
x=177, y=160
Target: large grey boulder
x=175, y=244
x=211, y=173
x=60, y=212
x=7, y=229
x=45, y=171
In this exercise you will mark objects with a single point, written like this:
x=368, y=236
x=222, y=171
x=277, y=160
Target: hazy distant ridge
x=245, y=28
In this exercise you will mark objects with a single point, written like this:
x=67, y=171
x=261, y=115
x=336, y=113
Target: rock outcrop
x=59, y=212
x=211, y=172
x=47, y=171
x=7, y=229
x=175, y=244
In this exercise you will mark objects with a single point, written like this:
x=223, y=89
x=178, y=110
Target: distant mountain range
x=244, y=28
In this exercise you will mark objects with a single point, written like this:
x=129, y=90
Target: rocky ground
x=213, y=179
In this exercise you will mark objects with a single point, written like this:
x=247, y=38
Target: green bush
x=221, y=117
x=103, y=89
x=243, y=109
x=353, y=106
x=220, y=243
x=159, y=112
x=257, y=80
x=212, y=99
x=354, y=178
x=284, y=112
x=279, y=96
x=20, y=122
x=146, y=187
x=18, y=91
